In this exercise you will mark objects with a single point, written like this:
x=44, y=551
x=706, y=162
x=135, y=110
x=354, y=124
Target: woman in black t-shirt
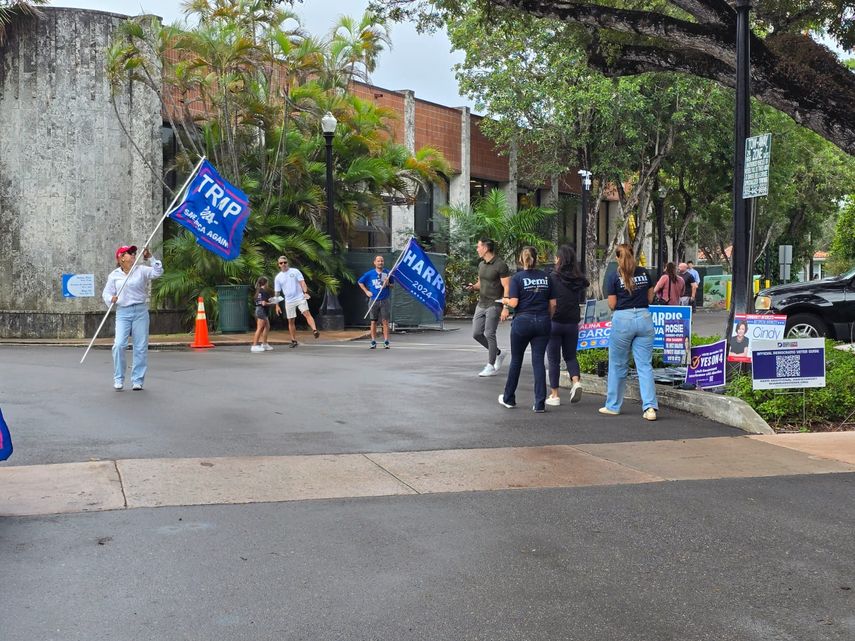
x=630, y=291
x=568, y=290
x=530, y=295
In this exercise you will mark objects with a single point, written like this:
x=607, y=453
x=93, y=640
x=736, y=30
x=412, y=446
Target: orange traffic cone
x=200, y=338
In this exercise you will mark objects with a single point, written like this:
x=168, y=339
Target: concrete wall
x=72, y=187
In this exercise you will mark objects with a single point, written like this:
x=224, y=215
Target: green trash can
x=234, y=310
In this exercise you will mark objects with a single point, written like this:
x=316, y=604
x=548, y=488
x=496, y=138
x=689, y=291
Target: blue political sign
x=706, y=365
x=215, y=211
x=594, y=335
x=674, y=338
x=5, y=440
x=662, y=313
x=415, y=272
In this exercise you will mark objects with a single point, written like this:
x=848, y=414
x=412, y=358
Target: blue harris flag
x=415, y=273
x=215, y=211
x=5, y=440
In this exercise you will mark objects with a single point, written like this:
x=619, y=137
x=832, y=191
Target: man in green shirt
x=494, y=277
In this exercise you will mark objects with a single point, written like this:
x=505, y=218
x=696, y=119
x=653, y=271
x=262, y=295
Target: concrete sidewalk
x=143, y=483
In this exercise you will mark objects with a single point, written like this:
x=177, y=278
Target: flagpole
x=385, y=282
x=137, y=259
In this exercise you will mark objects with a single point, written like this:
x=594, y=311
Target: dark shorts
x=382, y=310
x=260, y=312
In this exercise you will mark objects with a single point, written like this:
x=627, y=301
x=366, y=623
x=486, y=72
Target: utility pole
x=742, y=301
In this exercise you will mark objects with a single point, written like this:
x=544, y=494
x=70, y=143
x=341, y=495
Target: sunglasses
x=283, y=262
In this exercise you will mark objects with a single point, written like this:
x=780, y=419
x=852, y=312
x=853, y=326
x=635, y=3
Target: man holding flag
x=375, y=283
x=415, y=272
x=210, y=207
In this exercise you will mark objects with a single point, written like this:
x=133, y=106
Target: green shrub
x=589, y=358
x=832, y=404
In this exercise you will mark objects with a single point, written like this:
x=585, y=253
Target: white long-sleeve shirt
x=136, y=291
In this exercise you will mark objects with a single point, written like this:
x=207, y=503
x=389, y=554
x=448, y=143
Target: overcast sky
x=418, y=62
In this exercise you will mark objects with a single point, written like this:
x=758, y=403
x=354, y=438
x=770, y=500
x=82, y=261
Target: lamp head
x=328, y=123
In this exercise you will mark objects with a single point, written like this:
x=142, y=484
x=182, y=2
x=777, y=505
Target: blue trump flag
x=215, y=211
x=415, y=273
x=5, y=440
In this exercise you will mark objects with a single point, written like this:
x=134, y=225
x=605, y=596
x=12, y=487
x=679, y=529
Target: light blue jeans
x=131, y=321
x=632, y=329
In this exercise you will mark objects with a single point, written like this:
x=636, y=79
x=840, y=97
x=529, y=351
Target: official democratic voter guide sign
x=215, y=211
x=789, y=363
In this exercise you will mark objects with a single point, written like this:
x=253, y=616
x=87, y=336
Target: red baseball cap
x=126, y=249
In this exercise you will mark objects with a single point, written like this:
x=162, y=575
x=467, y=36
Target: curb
x=726, y=410
x=161, y=346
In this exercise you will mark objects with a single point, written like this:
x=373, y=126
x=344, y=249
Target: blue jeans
x=131, y=321
x=564, y=338
x=632, y=329
x=528, y=329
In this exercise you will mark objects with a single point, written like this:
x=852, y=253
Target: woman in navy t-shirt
x=530, y=294
x=630, y=291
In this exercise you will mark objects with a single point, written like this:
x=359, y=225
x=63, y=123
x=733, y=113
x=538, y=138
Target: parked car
x=814, y=308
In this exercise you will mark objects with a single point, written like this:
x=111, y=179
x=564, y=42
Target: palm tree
x=262, y=84
x=8, y=9
x=511, y=231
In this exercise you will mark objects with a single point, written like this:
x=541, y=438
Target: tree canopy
x=790, y=70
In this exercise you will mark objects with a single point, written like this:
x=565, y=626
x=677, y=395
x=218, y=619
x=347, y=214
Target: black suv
x=816, y=308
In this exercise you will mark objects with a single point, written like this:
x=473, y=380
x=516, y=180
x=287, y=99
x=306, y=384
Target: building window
x=374, y=231
x=479, y=188
x=569, y=210
x=603, y=225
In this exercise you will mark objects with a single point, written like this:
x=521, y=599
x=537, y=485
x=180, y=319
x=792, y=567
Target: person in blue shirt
x=530, y=296
x=630, y=292
x=376, y=283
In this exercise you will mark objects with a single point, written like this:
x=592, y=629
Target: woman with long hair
x=670, y=286
x=568, y=290
x=262, y=320
x=630, y=292
x=530, y=295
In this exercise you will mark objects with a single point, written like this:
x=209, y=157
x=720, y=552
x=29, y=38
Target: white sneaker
x=502, y=402
x=576, y=392
x=488, y=370
x=553, y=400
x=256, y=349
x=118, y=386
x=500, y=358
x=267, y=347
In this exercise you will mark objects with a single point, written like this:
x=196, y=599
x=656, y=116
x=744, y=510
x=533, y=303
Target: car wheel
x=805, y=326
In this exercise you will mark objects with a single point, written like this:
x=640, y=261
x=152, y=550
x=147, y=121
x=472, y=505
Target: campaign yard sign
x=662, y=313
x=590, y=311
x=215, y=211
x=675, y=338
x=706, y=365
x=748, y=328
x=593, y=335
x=787, y=364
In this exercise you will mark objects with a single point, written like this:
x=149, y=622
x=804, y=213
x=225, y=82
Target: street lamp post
x=662, y=242
x=331, y=315
x=585, y=177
